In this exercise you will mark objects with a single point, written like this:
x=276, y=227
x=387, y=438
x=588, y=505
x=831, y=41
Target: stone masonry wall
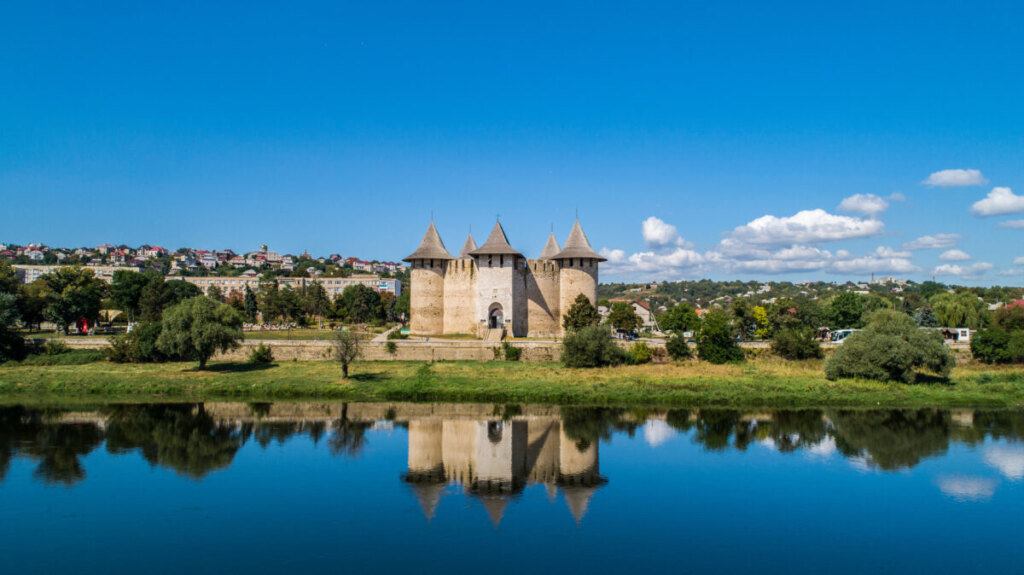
x=544, y=317
x=460, y=297
x=427, y=299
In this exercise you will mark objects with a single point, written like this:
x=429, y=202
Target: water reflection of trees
x=56, y=447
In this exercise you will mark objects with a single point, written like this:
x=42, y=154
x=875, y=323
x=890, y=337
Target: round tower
x=426, y=300
x=577, y=270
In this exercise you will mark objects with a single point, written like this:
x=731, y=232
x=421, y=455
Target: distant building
x=30, y=273
x=332, y=286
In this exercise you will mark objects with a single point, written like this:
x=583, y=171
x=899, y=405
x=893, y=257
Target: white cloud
x=1014, y=224
x=955, y=179
x=955, y=256
x=897, y=197
x=936, y=242
x=805, y=227
x=972, y=270
x=824, y=449
x=676, y=263
x=1018, y=261
x=965, y=488
x=1011, y=272
x=866, y=204
x=795, y=258
x=883, y=259
x=998, y=202
x=1008, y=460
x=658, y=235
x=657, y=432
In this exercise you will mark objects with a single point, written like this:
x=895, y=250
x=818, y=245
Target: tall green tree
x=845, y=311
x=250, y=305
x=74, y=293
x=215, y=293
x=12, y=344
x=680, y=318
x=8, y=278
x=581, y=314
x=623, y=317
x=361, y=303
x=316, y=301
x=715, y=343
x=962, y=309
x=159, y=294
x=32, y=300
x=126, y=290
x=926, y=317
x=198, y=327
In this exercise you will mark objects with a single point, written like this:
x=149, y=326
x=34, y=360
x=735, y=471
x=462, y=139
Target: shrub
x=55, y=347
x=139, y=346
x=996, y=345
x=796, y=343
x=890, y=348
x=716, y=344
x=678, y=348
x=71, y=357
x=591, y=346
x=511, y=352
x=391, y=347
x=397, y=334
x=261, y=354
x=639, y=353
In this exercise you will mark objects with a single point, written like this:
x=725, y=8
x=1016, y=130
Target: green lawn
x=762, y=383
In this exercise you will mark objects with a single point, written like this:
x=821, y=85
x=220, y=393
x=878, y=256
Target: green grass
x=761, y=383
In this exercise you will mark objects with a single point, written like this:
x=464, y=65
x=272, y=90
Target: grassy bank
x=763, y=382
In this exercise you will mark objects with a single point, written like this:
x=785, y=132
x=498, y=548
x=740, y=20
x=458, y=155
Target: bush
x=55, y=347
x=139, y=346
x=716, y=344
x=796, y=343
x=511, y=352
x=890, y=348
x=397, y=334
x=996, y=345
x=591, y=346
x=391, y=347
x=678, y=348
x=261, y=354
x=640, y=353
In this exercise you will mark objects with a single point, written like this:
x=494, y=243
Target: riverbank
x=762, y=382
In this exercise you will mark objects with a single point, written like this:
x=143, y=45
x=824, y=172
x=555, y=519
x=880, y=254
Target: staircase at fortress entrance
x=495, y=334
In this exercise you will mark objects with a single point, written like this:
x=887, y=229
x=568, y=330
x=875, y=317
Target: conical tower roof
x=577, y=246
x=578, y=499
x=428, y=495
x=431, y=248
x=495, y=507
x=468, y=247
x=496, y=244
x=551, y=248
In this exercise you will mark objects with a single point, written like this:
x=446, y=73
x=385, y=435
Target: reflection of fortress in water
x=494, y=461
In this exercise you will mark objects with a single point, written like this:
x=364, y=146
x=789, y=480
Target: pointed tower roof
x=428, y=495
x=496, y=244
x=431, y=248
x=495, y=507
x=578, y=499
x=577, y=246
x=551, y=248
x=468, y=247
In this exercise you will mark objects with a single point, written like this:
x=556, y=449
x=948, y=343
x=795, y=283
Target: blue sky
x=339, y=127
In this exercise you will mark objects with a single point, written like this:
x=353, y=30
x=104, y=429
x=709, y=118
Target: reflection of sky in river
x=676, y=499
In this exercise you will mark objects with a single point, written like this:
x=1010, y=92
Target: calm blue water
x=508, y=489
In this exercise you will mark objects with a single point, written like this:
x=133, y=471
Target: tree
x=250, y=305
x=845, y=311
x=73, y=293
x=677, y=348
x=402, y=305
x=796, y=343
x=198, y=327
x=715, y=343
x=623, y=317
x=12, y=345
x=215, y=293
x=8, y=278
x=926, y=317
x=158, y=295
x=316, y=301
x=32, y=300
x=347, y=348
x=680, y=318
x=891, y=348
x=762, y=328
x=361, y=303
x=269, y=302
x=1010, y=318
x=126, y=289
x=743, y=315
x=962, y=309
x=590, y=346
x=581, y=314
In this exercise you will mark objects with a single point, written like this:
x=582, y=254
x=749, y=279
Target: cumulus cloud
x=897, y=197
x=967, y=488
x=659, y=235
x=955, y=179
x=1013, y=224
x=955, y=256
x=678, y=262
x=1008, y=460
x=657, y=432
x=738, y=257
x=866, y=204
x=805, y=227
x=998, y=202
x=1011, y=272
x=1018, y=261
x=972, y=270
x=883, y=259
x=936, y=242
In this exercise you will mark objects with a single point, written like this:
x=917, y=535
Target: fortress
x=493, y=290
